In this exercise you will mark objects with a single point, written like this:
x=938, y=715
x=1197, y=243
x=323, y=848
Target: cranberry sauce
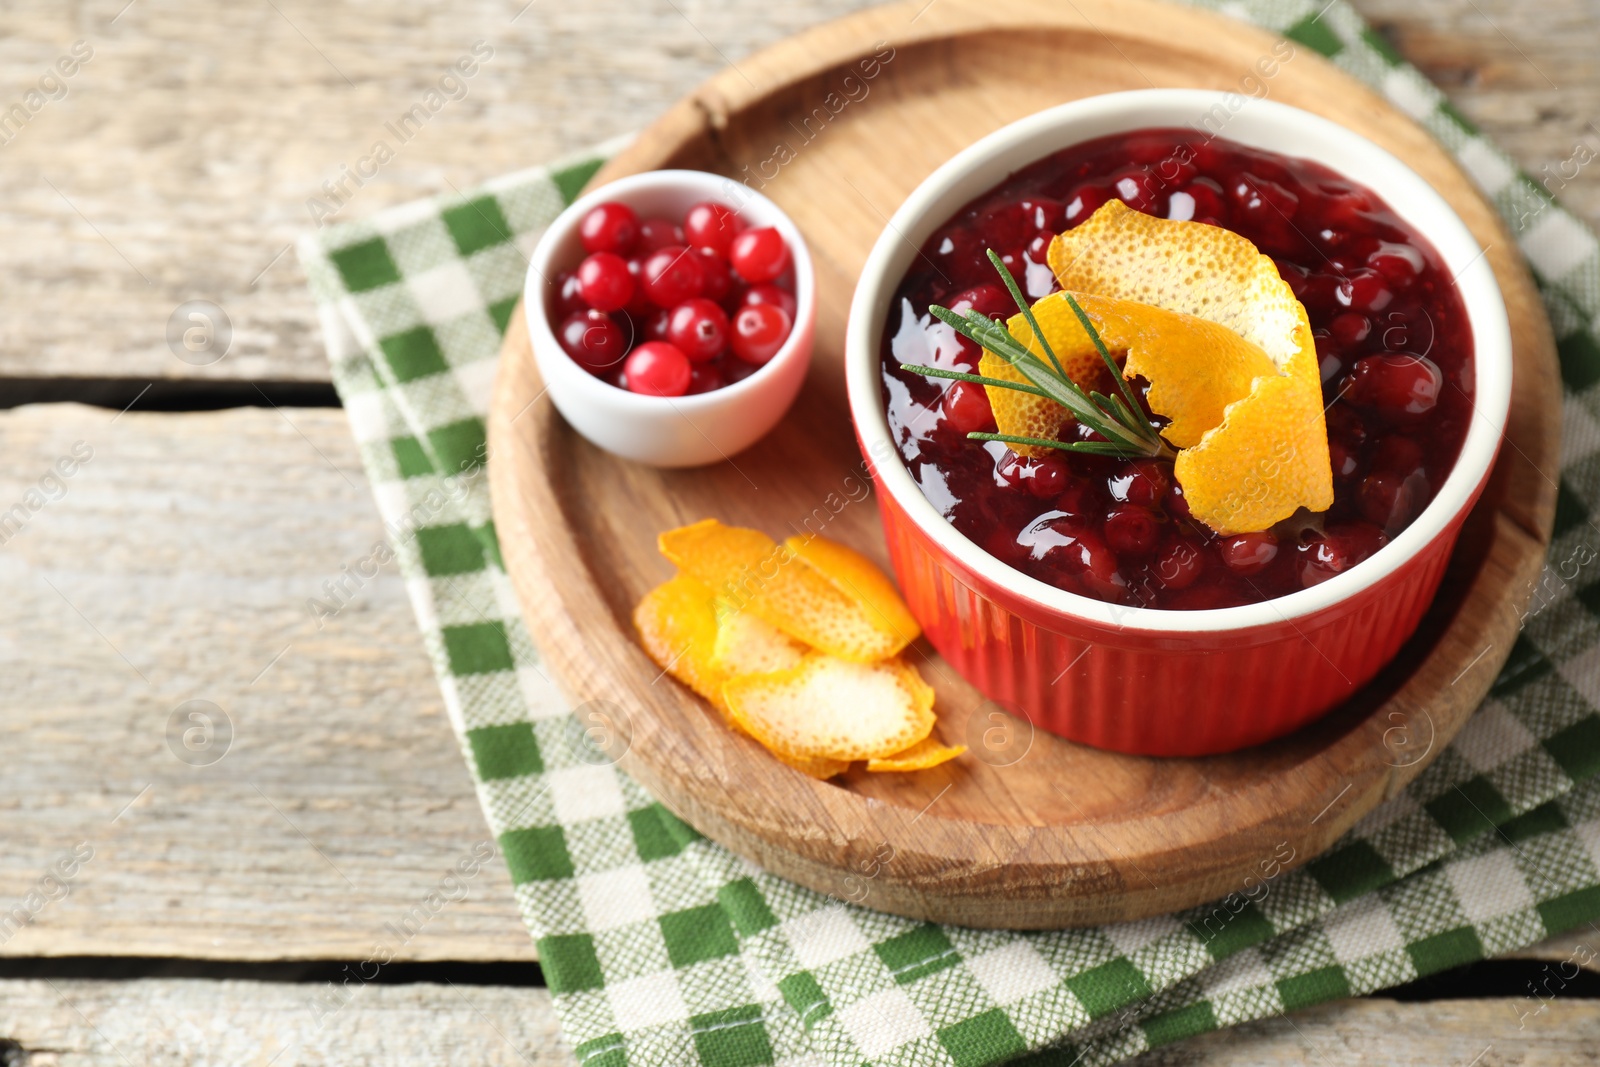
x=1392, y=337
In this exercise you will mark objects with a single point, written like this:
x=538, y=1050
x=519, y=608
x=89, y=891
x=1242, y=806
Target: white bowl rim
x=542, y=267
x=1402, y=189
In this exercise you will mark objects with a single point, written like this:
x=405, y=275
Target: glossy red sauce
x=1392, y=337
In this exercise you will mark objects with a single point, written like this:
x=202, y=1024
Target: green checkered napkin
x=661, y=947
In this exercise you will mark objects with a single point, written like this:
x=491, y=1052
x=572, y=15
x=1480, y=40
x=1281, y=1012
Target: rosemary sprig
x=1119, y=419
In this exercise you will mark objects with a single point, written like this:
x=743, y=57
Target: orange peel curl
x=1205, y=318
x=677, y=624
x=756, y=574
x=929, y=752
x=829, y=708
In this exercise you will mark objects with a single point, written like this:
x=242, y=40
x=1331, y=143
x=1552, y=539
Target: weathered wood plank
x=180, y=162
x=175, y=565
x=1385, y=1033
x=195, y=1023
x=167, y=1022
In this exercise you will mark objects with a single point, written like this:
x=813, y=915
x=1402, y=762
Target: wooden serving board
x=1028, y=831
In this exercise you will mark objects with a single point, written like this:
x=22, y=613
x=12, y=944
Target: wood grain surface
x=982, y=841
x=191, y=142
x=175, y=566
x=172, y=1022
x=165, y=1022
x=186, y=150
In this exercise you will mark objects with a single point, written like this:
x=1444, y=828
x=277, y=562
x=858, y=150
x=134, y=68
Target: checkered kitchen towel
x=660, y=947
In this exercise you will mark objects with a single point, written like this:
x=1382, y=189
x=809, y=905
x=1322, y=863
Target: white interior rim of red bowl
x=1260, y=123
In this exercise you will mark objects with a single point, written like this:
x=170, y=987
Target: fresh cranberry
x=957, y=255
x=1080, y=497
x=672, y=275
x=639, y=304
x=1082, y=202
x=1147, y=148
x=1097, y=569
x=1336, y=550
x=706, y=377
x=1350, y=328
x=759, y=255
x=1038, y=250
x=593, y=340
x=1327, y=348
x=655, y=323
x=759, y=330
x=609, y=227
x=1142, y=481
x=735, y=371
x=1392, y=500
x=1043, y=213
x=1293, y=275
x=1345, y=425
x=1319, y=559
x=1365, y=291
x=716, y=276
x=1320, y=294
x=771, y=294
x=1400, y=387
x=990, y=300
x=1248, y=554
x=604, y=281
x=1179, y=564
x=1342, y=458
x=656, y=234
x=1406, y=329
x=1397, y=454
x=1206, y=196
x=712, y=226
x=1046, y=476
x=1256, y=193
x=568, y=296
x=967, y=410
x=1009, y=468
x=1132, y=530
x=657, y=368
x=1135, y=187
x=699, y=329
x=1177, y=504
x=1399, y=264
x=1349, y=252
x=1349, y=209
x=1004, y=225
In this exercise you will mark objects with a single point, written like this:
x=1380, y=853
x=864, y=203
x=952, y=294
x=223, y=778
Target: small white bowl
x=679, y=431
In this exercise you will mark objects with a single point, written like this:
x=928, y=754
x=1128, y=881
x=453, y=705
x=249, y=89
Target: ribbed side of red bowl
x=1148, y=692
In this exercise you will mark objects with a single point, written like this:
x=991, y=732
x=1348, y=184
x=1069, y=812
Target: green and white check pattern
x=661, y=947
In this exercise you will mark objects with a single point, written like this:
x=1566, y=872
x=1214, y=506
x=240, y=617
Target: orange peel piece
x=818, y=768
x=754, y=573
x=677, y=623
x=858, y=578
x=1196, y=368
x=748, y=644
x=1267, y=454
x=929, y=752
x=829, y=708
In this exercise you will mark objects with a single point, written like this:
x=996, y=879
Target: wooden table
x=176, y=564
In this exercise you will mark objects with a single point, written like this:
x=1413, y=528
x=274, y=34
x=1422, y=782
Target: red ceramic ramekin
x=1142, y=680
